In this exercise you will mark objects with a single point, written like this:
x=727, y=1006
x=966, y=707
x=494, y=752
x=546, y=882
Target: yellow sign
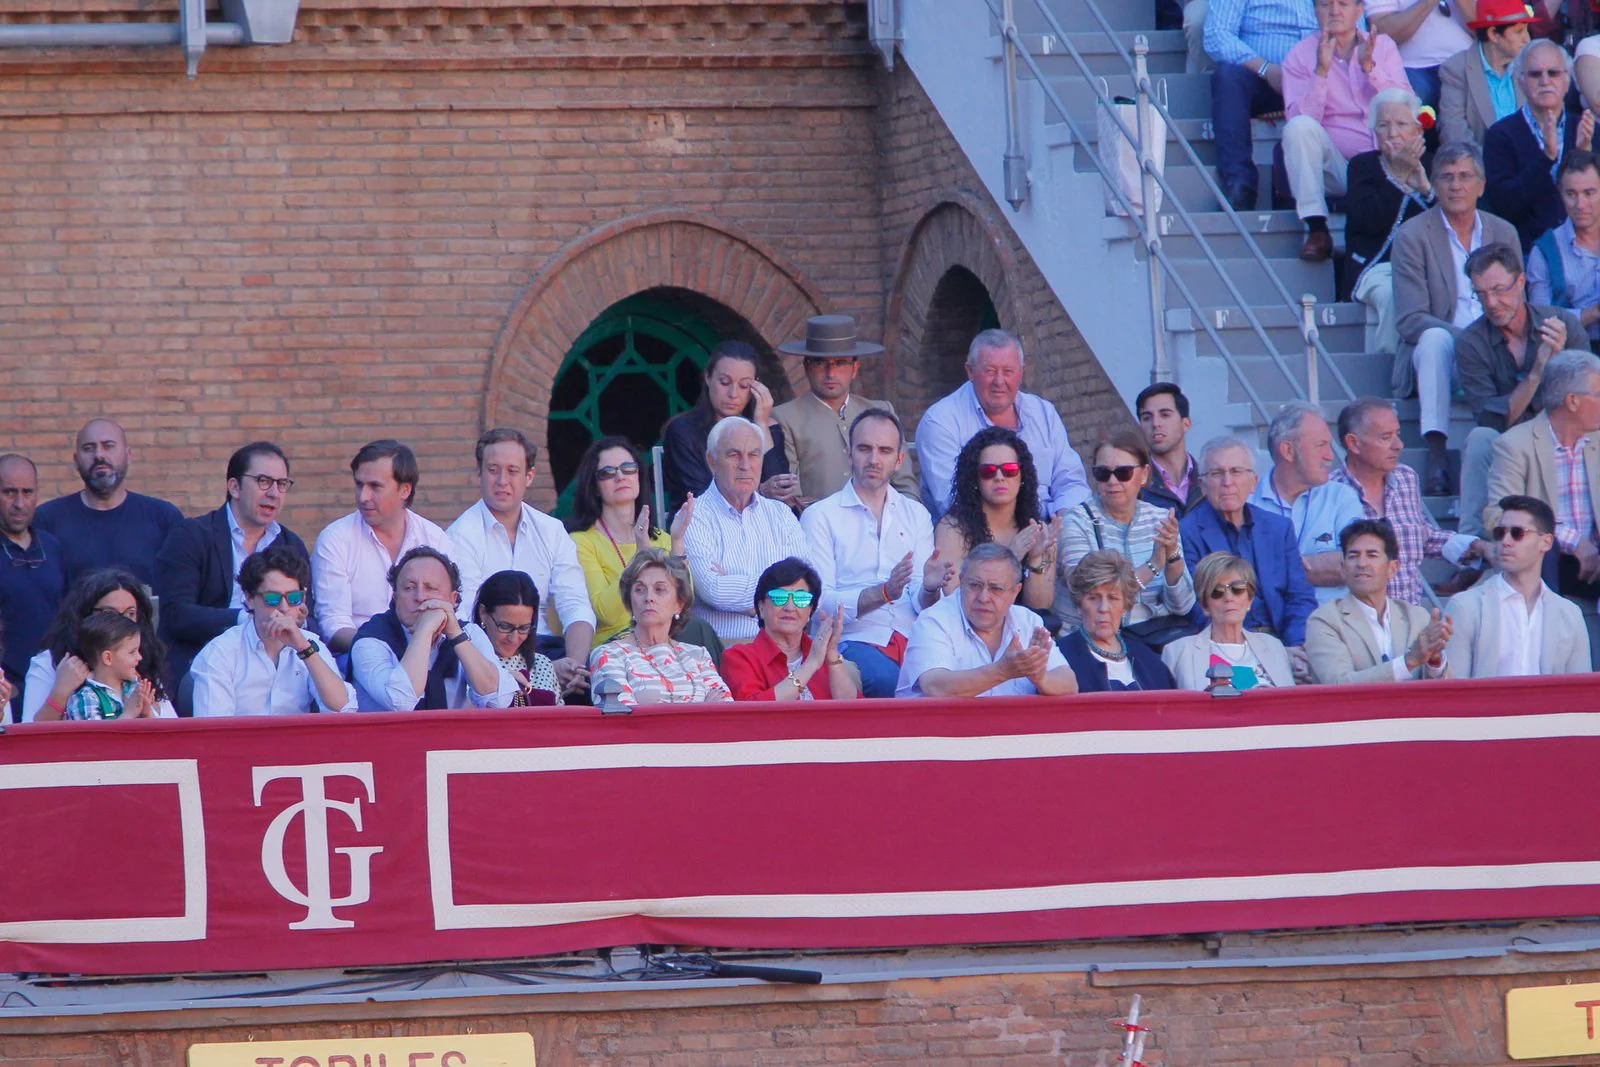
x=464, y=1050
x=1556, y=1020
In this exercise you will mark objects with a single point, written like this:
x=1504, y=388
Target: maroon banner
x=257, y=843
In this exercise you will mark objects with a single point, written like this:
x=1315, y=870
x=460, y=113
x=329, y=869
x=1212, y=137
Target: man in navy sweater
x=106, y=525
x=31, y=580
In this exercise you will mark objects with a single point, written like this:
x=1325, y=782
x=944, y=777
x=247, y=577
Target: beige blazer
x=1189, y=657
x=1474, y=649
x=1465, y=107
x=1425, y=281
x=816, y=442
x=1524, y=464
x=1341, y=646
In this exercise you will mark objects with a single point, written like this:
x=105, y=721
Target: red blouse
x=752, y=670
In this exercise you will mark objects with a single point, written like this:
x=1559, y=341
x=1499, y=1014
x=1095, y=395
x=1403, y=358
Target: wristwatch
x=452, y=642
x=311, y=649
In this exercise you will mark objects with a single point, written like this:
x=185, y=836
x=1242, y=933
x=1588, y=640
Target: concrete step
x=1167, y=52
x=1188, y=95
x=1278, y=234
x=1253, y=282
x=1075, y=16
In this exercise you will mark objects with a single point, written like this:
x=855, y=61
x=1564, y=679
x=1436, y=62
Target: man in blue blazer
x=197, y=566
x=1522, y=150
x=1224, y=522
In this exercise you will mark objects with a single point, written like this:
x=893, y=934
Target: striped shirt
x=1084, y=531
x=1574, y=510
x=727, y=552
x=1237, y=30
x=1419, y=536
x=669, y=673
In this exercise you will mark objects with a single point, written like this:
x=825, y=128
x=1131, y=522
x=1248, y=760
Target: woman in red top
x=782, y=663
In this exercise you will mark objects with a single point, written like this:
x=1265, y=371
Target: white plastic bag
x=1121, y=159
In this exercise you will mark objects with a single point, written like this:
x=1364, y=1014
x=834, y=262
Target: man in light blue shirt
x=1564, y=264
x=992, y=396
x=1298, y=488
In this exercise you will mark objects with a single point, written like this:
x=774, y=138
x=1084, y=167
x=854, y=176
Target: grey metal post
x=1308, y=329
x=192, y=28
x=1016, y=168
x=1161, y=365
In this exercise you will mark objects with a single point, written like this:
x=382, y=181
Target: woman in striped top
x=645, y=665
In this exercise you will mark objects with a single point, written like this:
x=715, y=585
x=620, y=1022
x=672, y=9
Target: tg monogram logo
x=317, y=897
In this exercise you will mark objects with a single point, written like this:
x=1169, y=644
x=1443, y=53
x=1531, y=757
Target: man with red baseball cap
x=1477, y=86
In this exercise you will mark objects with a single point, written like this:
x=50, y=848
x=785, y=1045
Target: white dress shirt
x=1467, y=309
x=350, y=568
x=233, y=676
x=1521, y=630
x=853, y=551
x=1383, y=636
x=41, y=679
x=727, y=552
x=942, y=638
x=383, y=685
x=544, y=552
x=236, y=538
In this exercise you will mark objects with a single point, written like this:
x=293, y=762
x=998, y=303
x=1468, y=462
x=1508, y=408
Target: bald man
x=106, y=525
x=32, y=581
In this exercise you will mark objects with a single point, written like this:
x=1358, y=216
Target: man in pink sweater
x=1329, y=79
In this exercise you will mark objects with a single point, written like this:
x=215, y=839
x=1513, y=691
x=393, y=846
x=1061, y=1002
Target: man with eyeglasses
x=1433, y=302
x=270, y=664
x=1514, y=624
x=503, y=532
x=1522, y=151
x=197, y=567
x=1502, y=358
x=982, y=643
x=1226, y=522
x=107, y=525
x=1298, y=489
x=32, y=581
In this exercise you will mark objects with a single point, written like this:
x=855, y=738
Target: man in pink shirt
x=1328, y=80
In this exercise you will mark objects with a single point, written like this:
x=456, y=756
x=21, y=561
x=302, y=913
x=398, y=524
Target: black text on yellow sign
x=461, y=1050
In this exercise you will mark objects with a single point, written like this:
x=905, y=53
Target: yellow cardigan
x=602, y=566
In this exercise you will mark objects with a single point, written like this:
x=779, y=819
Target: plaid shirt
x=1574, y=512
x=1419, y=536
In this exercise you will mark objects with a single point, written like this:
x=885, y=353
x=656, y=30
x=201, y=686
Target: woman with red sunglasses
x=995, y=497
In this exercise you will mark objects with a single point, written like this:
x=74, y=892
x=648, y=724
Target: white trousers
x=1194, y=37
x=1376, y=290
x=1435, y=360
x=1315, y=166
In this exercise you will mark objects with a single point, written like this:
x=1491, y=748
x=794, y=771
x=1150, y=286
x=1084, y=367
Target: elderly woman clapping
x=1227, y=585
x=1101, y=654
x=1387, y=186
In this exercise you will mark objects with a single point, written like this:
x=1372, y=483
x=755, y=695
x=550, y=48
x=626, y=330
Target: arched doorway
x=959, y=309
x=639, y=363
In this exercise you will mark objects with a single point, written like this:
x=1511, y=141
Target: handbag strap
x=1099, y=542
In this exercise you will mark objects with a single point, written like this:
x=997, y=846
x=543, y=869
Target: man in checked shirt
x=1369, y=429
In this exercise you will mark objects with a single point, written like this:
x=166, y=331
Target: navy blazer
x=1148, y=670
x=1520, y=187
x=194, y=579
x=1284, y=599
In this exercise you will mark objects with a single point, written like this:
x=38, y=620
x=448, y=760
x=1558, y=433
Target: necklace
x=614, y=546
x=1115, y=657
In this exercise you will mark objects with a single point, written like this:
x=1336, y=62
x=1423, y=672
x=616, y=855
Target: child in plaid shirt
x=109, y=643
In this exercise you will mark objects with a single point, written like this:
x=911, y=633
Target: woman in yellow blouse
x=610, y=522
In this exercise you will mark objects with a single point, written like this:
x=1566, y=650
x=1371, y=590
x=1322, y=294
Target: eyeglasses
x=977, y=588
x=23, y=560
x=1222, y=474
x=267, y=481
x=1517, y=532
x=1121, y=474
x=295, y=598
x=1552, y=74
x=1240, y=588
x=506, y=629
x=605, y=474
x=802, y=598
x=1480, y=295
x=990, y=471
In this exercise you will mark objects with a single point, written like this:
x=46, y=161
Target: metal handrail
x=1146, y=91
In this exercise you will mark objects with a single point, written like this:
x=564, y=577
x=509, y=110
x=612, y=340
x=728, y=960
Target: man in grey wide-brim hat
x=816, y=424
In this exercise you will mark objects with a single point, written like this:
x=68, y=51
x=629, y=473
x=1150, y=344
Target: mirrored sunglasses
x=295, y=598
x=802, y=597
x=990, y=471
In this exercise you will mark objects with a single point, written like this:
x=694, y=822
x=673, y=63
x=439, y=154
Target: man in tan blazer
x=816, y=424
x=1466, y=106
x=1367, y=637
x=1542, y=457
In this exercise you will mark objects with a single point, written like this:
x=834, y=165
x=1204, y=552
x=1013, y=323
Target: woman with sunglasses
x=782, y=663
x=995, y=497
x=55, y=673
x=507, y=608
x=1101, y=654
x=1227, y=585
x=1144, y=534
x=647, y=664
x=270, y=664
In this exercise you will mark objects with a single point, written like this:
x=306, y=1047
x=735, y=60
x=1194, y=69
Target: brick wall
x=1379, y=1016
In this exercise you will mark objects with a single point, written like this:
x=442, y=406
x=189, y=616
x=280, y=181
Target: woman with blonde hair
x=1227, y=585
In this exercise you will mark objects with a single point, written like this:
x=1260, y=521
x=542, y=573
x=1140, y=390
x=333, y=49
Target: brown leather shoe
x=1318, y=246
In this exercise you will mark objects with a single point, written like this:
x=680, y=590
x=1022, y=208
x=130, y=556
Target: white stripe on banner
x=448, y=915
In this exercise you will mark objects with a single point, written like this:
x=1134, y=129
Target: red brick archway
x=954, y=234
x=659, y=249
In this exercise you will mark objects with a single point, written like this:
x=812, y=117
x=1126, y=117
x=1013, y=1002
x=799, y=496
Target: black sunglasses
x=1517, y=532
x=605, y=474
x=23, y=560
x=1121, y=474
x=1236, y=588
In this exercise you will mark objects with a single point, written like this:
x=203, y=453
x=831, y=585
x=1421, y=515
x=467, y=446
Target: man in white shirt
x=355, y=554
x=992, y=396
x=1365, y=636
x=867, y=541
x=417, y=656
x=269, y=664
x=972, y=645
x=502, y=532
x=1513, y=624
x=736, y=533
